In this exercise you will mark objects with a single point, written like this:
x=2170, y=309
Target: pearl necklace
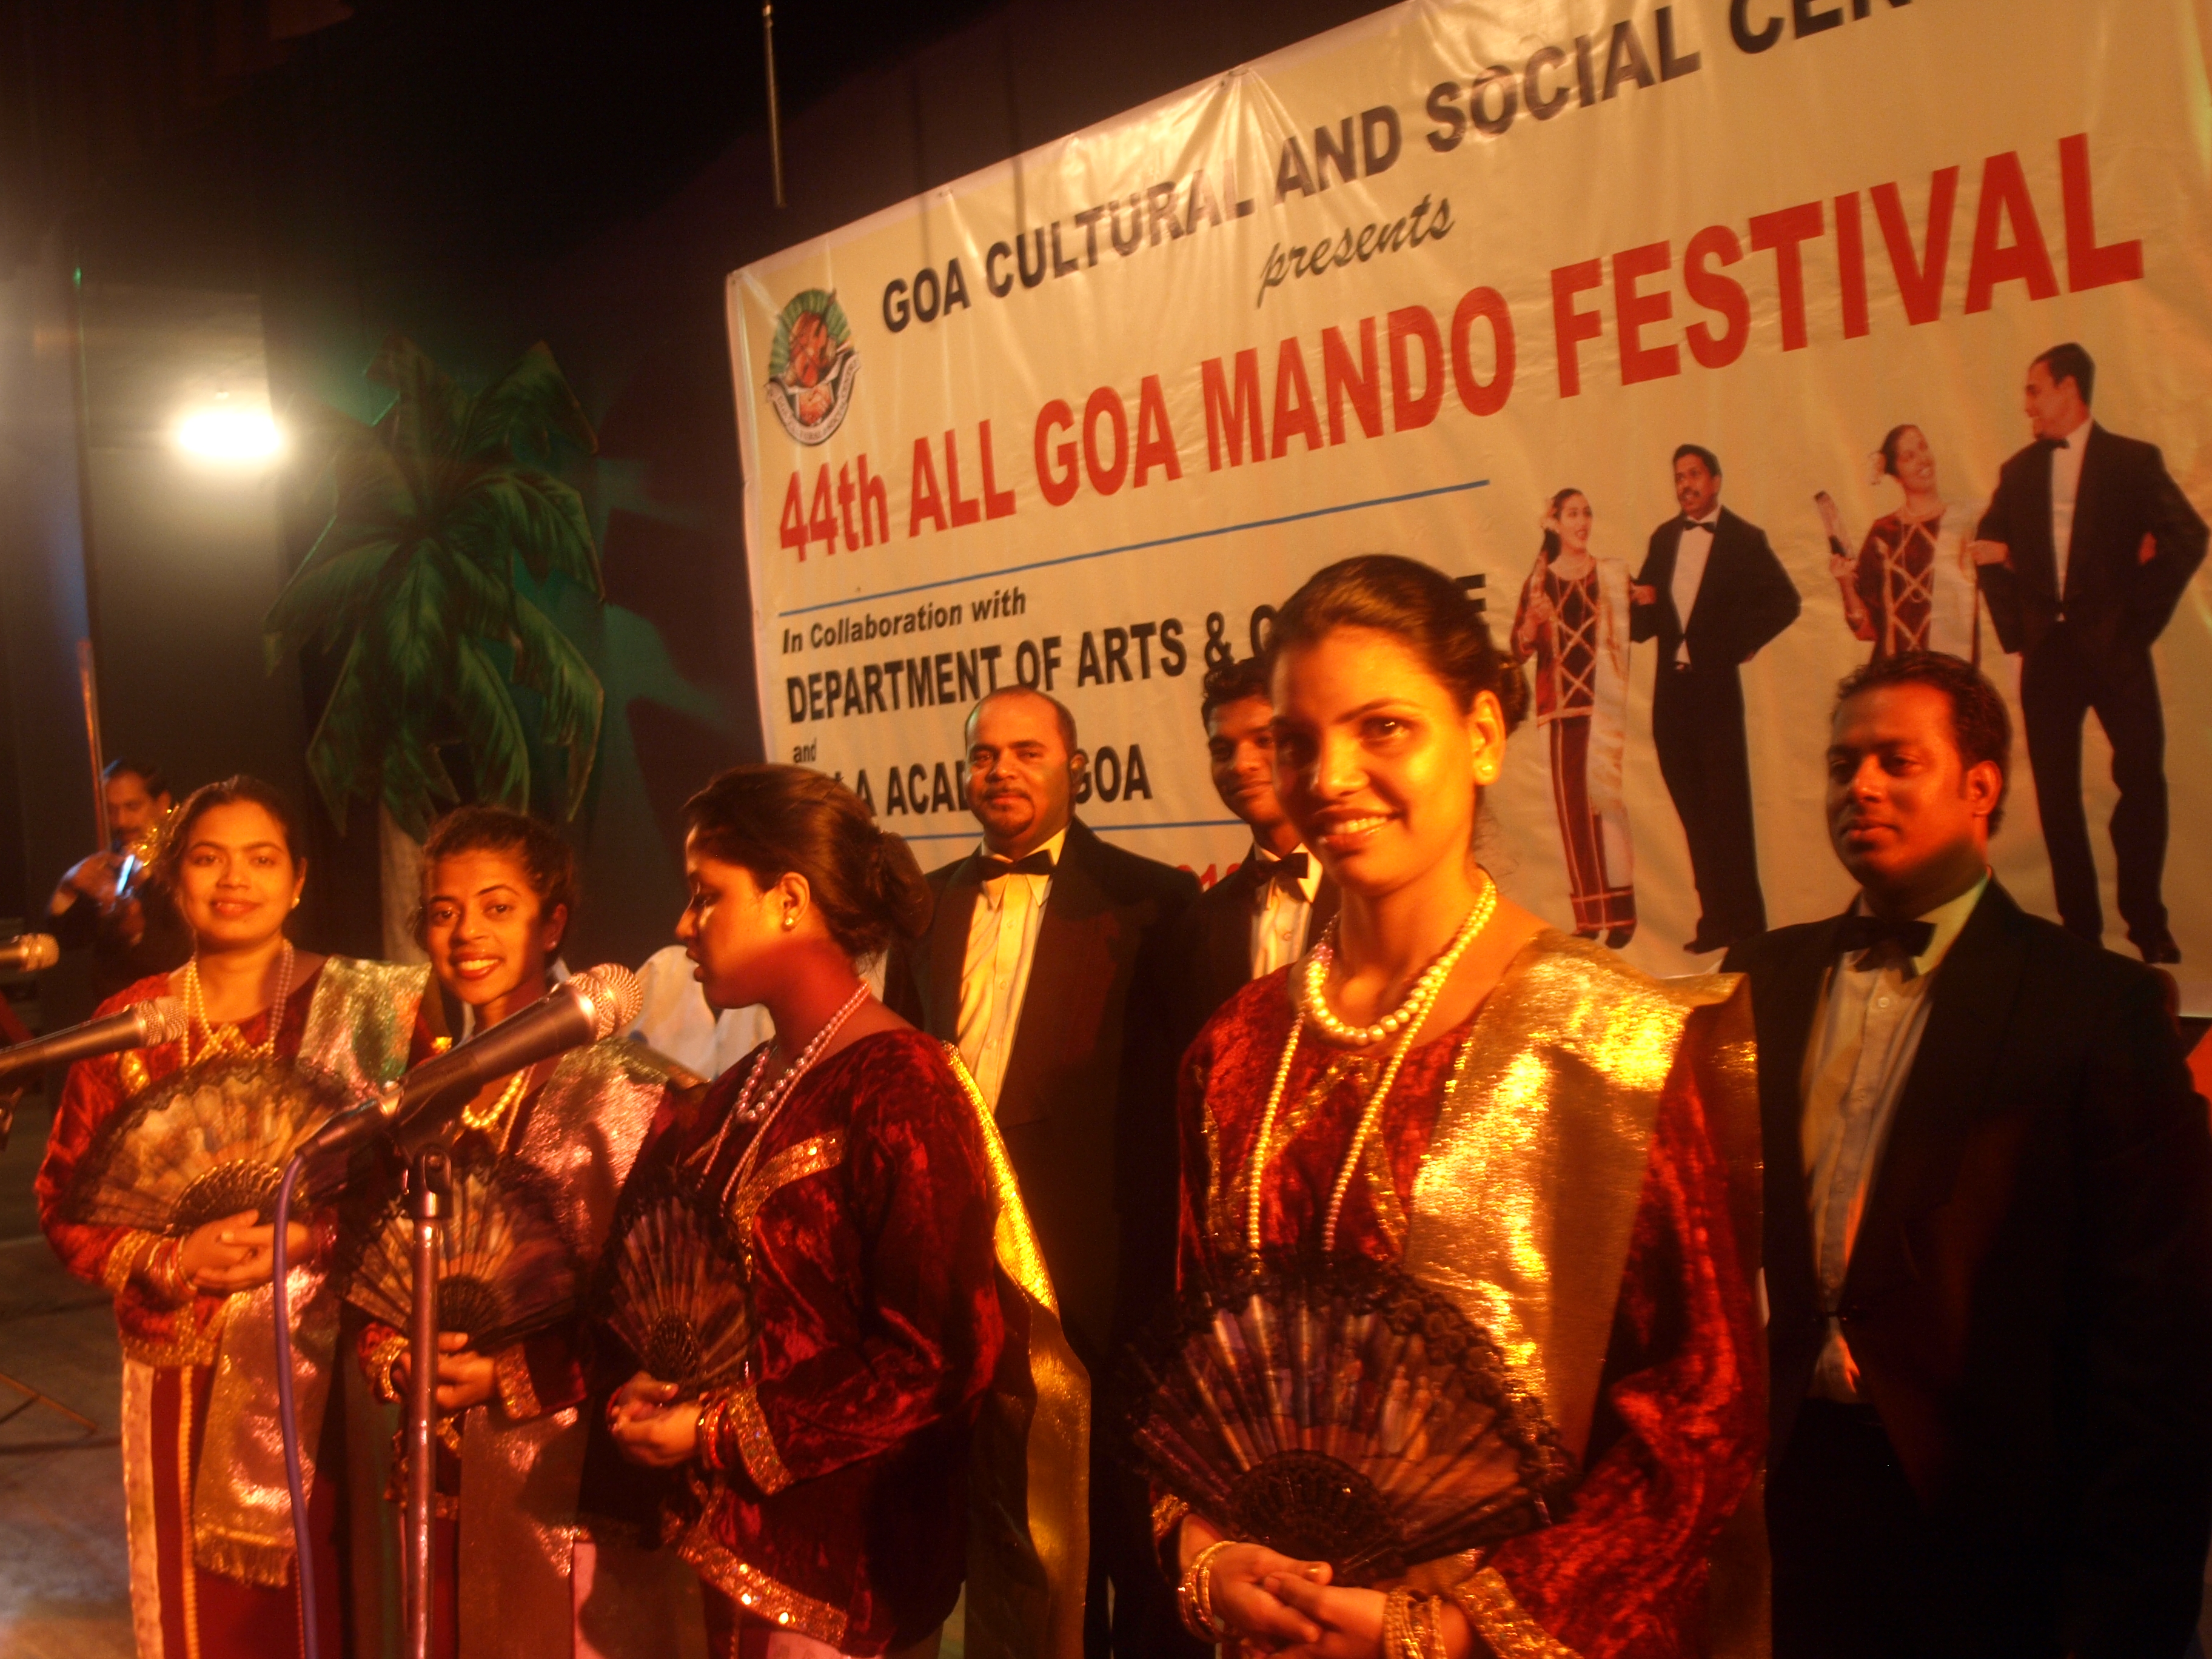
x=484, y=1120
x=1409, y=1017
x=1313, y=982
x=761, y=1110
x=196, y=1008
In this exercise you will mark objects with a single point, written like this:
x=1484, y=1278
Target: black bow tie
x=1289, y=871
x=1860, y=932
x=1038, y=863
x=2050, y=443
x=1697, y=523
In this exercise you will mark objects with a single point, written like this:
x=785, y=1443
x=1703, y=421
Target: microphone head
x=613, y=994
x=41, y=951
x=162, y=1018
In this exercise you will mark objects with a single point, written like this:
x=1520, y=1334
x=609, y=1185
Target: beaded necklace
x=196, y=1008
x=484, y=1120
x=753, y=1106
x=1406, y=1020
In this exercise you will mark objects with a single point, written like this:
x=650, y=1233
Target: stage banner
x=1462, y=282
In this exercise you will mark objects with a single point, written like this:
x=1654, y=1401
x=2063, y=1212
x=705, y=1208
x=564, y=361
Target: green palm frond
x=438, y=506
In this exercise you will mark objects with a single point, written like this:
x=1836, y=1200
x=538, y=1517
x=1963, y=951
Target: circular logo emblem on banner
x=812, y=367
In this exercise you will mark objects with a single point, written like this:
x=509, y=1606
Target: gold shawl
x=1029, y=1528
x=358, y=1027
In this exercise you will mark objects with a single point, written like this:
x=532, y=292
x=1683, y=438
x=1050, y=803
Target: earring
x=295, y=900
x=790, y=920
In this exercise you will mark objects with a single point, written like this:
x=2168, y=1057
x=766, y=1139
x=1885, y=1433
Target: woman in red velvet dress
x=513, y=1573
x=862, y=1182
x=212, y=1573
x=1511, y=1119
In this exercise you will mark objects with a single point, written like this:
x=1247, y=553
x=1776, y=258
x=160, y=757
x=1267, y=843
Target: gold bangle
x=1196, y=1595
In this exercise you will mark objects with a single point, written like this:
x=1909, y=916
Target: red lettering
x=1155, y=443
x=790, y=529
x=1571, y=326
x=1294, y=403
x=1105, y=402
x=1057, y=486
x=1722, y=295
x=1634, y=313
x=966, y=509
x=822, y=522
x=1851, y=263
x=1408, y=407
x=997, y=503
x=1340, y=381
x=2089, y=265
x=1919, y=279
x=1482, y=396
x=1786, y=233
x=1235, y=417
x=923, y=501
x=2025, y=259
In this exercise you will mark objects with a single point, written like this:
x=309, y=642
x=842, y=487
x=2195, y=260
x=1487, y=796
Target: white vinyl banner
x=1080, y=420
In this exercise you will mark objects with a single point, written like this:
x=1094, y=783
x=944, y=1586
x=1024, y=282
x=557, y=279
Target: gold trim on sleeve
x=518, y=1398
x=1489, y=1605
x=1168, y=1511
x=794, y=1162
x=754, y=1443
x=124, y=1257
x=755, y=1592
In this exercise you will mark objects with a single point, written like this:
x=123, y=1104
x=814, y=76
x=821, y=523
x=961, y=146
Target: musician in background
x=133, y=926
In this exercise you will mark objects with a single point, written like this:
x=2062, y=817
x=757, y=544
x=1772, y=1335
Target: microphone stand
x=429, y=1189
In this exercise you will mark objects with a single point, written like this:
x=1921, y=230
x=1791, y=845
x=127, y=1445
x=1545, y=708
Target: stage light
x=234, y=437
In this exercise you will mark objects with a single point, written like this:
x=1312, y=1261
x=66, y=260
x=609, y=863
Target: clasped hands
x=1276, y=1604
x=236, y=1254
x=650, y=1425
x=466, y=1378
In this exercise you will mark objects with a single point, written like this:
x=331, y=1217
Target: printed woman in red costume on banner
x=1467, y=1362
x=212, y=1567
x=1912, y=584
x=872, y=1238
x=1573, y=620
x=538, y=1158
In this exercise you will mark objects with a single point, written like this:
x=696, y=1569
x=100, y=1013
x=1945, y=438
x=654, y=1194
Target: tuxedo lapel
x=948, y=947
x=1228, y=936
x=1659, y=572
x=1968, y=1013
x=2038, y=560
x=2089, y=501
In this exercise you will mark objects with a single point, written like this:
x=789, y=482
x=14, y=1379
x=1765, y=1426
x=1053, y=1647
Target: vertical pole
x=88, y=686
x=426, y=1193
x=774, y=117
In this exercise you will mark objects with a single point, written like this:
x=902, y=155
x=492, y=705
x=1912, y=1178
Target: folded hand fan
x=505, y=1269
x=672, y=1284
x=1342, y=1414
x=202, y=1143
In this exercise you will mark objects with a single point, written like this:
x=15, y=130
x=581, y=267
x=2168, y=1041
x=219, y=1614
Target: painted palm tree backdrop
x=440, y=507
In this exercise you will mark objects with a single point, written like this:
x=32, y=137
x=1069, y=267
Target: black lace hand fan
x=202, y=1143
x=1342, y=1414
x=506, y=1268
x=672, y=1284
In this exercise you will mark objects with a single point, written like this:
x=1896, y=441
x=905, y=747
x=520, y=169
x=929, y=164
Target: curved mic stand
x=429, y=1186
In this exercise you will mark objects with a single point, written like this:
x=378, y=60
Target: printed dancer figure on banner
x=2084, y=551
x=1912, y=584
x=1574, y=621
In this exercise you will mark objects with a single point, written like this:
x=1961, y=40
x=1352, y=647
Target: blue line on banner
x=1136, y=547
x=1103, y=828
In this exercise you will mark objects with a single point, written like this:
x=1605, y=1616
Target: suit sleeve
x=2001, y=582
x=2144, y=1284
x=1770, y=601
x=1644, y=619
x=902, y=989
x=1145, y=1180
x=2179, y=534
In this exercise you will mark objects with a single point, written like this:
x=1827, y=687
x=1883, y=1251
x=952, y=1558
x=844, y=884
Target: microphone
x=594, y=1004
x=141, y=1025
x=29, y=953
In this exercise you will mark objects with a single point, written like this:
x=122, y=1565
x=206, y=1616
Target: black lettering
x=1624, y=61
x=891, y=673
x=895, y=295
x=871, y=684
x=1382, y=118
x=944, y=677
x=956, y=288
x=1585, y=77
x=1134, y=783
x=1670, y=64
x=919, y=685
x=1106, y=769
x=1087, y=671
x=1142, y=633
x=1117, y=654
x=1000, y=288
x=917, y=787
x=1452, y=126
x=1172, y=654
x=971, y=676
x=1805, y=21
x=1290, y=172
x=1532, y=90
x=814, y=697
x=1026, y=671
x=1022, y=244
x=925, y=310
x=1089, y=219
x=1510, y=99
x=1334, y=147
x=1051, y=659
x=860, y=788
x=941, y=798
x=989, y=654
x=794, y=696
x=894, y=790
x=1739, y=29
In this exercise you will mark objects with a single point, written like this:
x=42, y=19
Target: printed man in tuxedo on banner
x=2086, y=549
x=1712, y=593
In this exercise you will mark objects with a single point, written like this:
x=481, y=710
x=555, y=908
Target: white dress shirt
x=995, y=976
x=1866, y=1033
x=1692, y=549
x=1279, y=923
x=2065, y=486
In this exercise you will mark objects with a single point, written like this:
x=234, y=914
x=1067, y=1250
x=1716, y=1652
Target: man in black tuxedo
x=1046, y=963
x=2085, y=550
x=1263, y=914
x=1988, y=1238
x=1712, y=593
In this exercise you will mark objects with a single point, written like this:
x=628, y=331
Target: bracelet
x=1412, y=1626
x=713, y=1419
x=1194, y=1596
x=165, y=1270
